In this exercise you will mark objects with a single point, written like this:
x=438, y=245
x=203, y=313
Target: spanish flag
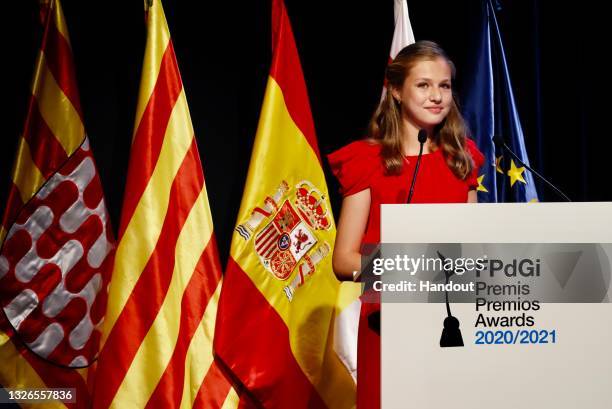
x=56, y=240
x=159, y=325
x=274, y=327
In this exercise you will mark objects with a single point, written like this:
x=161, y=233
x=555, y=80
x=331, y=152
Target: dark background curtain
x=556, y=53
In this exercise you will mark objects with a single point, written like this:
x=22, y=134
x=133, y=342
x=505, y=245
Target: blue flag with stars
x=489, y=109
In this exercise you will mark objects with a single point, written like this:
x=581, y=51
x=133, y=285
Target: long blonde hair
x=385, y=125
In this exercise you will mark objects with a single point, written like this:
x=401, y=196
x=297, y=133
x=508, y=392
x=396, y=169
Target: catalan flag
x=57, y=244
x=274, y=328
x=157, y=342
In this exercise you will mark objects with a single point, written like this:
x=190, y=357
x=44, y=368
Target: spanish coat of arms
x=285, y=232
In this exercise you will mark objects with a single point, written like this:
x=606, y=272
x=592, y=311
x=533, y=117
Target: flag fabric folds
x=402, y=34
x=490, y=110
x=274, y=328
x=369, y=357
x=157, y=338
x=349, y=304
x=57, y=244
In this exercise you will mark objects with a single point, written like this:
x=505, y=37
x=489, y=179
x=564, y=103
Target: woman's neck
x=410, y=139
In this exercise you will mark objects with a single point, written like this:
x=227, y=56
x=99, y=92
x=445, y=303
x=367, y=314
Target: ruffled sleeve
x=354, y=165
x=478, y=159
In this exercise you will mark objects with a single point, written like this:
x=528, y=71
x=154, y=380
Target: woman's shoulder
x=355, y=164
x=363, y=149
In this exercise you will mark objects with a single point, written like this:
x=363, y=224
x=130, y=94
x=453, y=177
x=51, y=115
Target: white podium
x=575, y=372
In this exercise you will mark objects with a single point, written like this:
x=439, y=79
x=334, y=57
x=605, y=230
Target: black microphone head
x=422, y=137
x=498, y=140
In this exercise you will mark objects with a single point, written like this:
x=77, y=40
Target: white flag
x=347, y=322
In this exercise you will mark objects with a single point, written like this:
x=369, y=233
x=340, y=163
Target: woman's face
x=426, y=94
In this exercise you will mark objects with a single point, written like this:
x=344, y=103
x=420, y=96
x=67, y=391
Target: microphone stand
x=451, y=334
x=374, y=317
x=500, y=141
x=422, y=138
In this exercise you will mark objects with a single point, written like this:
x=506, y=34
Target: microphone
x=499, y=141
x=422, y=137
x=451, y=333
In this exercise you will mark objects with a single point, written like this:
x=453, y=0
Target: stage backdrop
x=555, y=57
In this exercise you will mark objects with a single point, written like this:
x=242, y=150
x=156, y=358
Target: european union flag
x=489, y=109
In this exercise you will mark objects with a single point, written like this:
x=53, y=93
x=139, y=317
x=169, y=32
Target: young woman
x=379, y=169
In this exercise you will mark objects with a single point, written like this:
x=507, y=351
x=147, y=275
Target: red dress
x=358, y=166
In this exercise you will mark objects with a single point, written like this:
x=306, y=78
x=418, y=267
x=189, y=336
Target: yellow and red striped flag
x=56, y=241
x=159, y=325
x=274, y=326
